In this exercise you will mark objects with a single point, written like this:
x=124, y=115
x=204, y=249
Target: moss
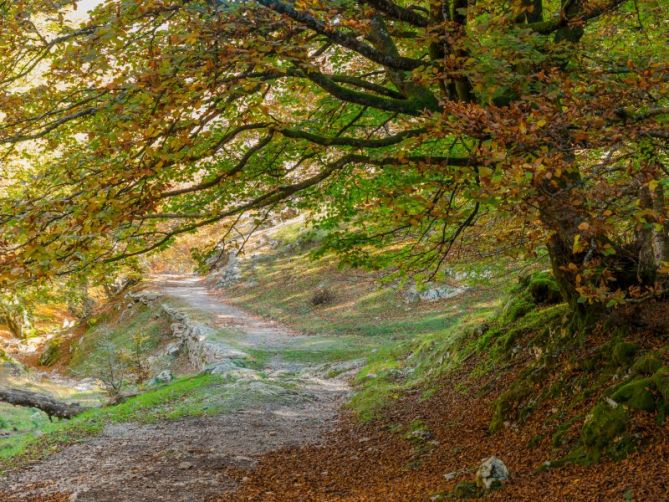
x=604, y=431
x=467, y=490
x=558, y=438
x=535, y=441
x=646, y=364
x=661, y=381
x=623, y=353
x=516, y=307
x=543, y=289
x=638, y=394
x=418, y=432
x=508, y=401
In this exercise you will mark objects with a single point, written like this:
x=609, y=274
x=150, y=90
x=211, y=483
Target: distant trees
x=417, y=130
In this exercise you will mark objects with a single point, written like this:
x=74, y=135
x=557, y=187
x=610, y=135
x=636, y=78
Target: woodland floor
x=372, y=462
x=313, y=450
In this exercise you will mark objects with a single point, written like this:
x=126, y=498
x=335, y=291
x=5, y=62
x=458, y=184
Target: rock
x=173, y=349
x=164, y=376
x=491, y=474
x=227, y=270
x=221, y=368
x=431, y=293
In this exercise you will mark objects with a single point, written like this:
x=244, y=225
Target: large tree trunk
x=562, y=210
x=47, y=404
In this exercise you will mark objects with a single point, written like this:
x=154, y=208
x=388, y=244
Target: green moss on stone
x=661, y=381
x=544, y=289
x=508, y=401
x=647, y=364
x=638, y=394
x=623, y=353
x=604, y=431
x=517, y=307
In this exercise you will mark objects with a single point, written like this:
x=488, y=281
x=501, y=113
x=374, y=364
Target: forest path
x=286, y=403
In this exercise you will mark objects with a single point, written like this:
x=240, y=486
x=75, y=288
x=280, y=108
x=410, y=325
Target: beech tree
x=414, y=131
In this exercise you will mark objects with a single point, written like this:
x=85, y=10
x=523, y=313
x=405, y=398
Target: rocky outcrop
x=194, y=339
x=431, y=292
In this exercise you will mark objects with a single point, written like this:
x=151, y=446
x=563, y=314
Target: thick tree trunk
x=47, y=404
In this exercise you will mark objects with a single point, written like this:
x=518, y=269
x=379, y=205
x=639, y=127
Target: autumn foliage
x=418, y=132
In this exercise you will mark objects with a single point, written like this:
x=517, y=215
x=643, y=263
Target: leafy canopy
x=414, y=130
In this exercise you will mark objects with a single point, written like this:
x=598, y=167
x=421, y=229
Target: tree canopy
x=414, y=131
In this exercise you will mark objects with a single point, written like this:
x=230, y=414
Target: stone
x=431, y=293
x=450, y=476
x=173, y=349
x=492, y=473
x=164, y=376
x=221, y=368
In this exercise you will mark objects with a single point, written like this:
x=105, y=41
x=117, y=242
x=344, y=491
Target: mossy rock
x=604, y=431
x=647, y=364
x=50, y=354
x=623, y=353
x=544, y=289
x=507, y=401
x=517, y=307
x=661, y=380
x=467, y=490
x=638, y=394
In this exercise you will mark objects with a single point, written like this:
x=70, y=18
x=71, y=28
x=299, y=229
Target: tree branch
x=341, y=38
x=399, y=13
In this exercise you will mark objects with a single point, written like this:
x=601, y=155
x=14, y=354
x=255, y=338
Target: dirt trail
x=185, y=460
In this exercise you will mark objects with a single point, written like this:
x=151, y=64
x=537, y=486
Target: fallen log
x=50, y=406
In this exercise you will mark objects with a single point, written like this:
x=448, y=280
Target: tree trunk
x=49, y=405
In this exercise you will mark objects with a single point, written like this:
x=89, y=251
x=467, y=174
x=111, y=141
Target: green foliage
x=398, y=158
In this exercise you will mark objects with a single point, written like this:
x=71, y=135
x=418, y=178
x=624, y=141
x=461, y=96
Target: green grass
x=18, y=419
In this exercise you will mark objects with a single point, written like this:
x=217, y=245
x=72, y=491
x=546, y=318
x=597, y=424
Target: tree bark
x=49, y=405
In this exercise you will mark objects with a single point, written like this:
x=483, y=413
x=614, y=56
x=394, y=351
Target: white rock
x=492, y=470
x=164, y=376
x=431, y=293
